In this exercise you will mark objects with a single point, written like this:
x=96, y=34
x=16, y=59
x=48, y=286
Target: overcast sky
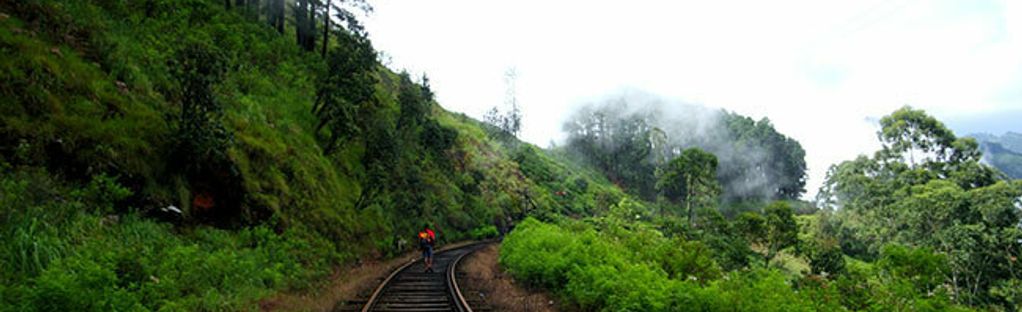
x=822, y=71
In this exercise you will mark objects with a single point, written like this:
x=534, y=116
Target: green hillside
x=203, y=155
x=1004, y=159
x=1003, y=152
x=1010, y=140
x=114, y=114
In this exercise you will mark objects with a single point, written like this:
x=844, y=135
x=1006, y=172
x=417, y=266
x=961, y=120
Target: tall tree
x=926, y=188
x=326, y=25
x=345, y=13
x=414, y=104
x=345, y=89
x=772, y=231
x=301, y=25
x=507, y=124
x=310, y=28
x=908, y=132
x=305, y=24
x=513, y=122
x=202, y=139
x=691, y=178
x=781, y=228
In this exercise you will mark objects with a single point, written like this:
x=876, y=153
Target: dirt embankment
x=484, y=281
x=347, y=283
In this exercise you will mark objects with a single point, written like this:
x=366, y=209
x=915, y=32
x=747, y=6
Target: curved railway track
x=409, y=288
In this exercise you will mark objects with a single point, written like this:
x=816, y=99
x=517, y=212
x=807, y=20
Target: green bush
x=484, y=232
x=62, y=257
x=103, y=192
x=603, y=270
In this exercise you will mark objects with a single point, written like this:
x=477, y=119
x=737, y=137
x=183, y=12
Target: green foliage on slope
x=1003, y=159
x=619, y=264
x=114, y=114
x=927, y=188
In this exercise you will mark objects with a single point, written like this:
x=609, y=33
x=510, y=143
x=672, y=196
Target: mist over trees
x=628, y=137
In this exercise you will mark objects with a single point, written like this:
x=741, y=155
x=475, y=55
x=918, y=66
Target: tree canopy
x=690, y=179
x=927, y=187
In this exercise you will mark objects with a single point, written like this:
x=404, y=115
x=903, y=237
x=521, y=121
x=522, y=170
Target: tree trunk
x=300, y=16
x=367, y=195
x=688, y=201
x=268, y=10
x=150, y=8
x=318, y=104
x=310, y=30
x=320, y=125
x=326, y=27
x=278, y=7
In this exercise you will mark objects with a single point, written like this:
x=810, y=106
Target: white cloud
x=818, y=69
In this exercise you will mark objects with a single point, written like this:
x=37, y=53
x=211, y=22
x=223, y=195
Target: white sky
x=822, y=71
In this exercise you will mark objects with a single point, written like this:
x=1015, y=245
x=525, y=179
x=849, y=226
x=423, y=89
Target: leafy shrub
x=61, y=257
x=201, y=138
x=604, y=270
x=825, y=256
x=688, y=260
x=103, y=192
x=539, y=253
x=484, y=232
x=926, y=270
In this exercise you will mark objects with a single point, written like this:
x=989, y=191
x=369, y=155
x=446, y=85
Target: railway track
x=409, y=288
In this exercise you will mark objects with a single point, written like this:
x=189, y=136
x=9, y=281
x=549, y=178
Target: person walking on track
x=427, y=241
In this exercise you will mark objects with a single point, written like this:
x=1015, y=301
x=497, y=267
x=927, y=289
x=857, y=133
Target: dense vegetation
x=928, y=188
x=922, y=225
x=190, y=155
x=202, y=155
x=614, y=263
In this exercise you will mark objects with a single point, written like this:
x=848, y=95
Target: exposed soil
x=354, y=282
x=485, y=281
x=345, y=284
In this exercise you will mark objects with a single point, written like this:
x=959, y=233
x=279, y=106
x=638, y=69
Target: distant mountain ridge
x=1004, y=152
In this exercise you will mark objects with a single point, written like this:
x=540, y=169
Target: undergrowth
x=91, y=128
x=617, y=263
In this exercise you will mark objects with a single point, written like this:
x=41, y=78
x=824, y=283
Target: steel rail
x=423, y=282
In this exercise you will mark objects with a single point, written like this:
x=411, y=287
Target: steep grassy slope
x=90, y=101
